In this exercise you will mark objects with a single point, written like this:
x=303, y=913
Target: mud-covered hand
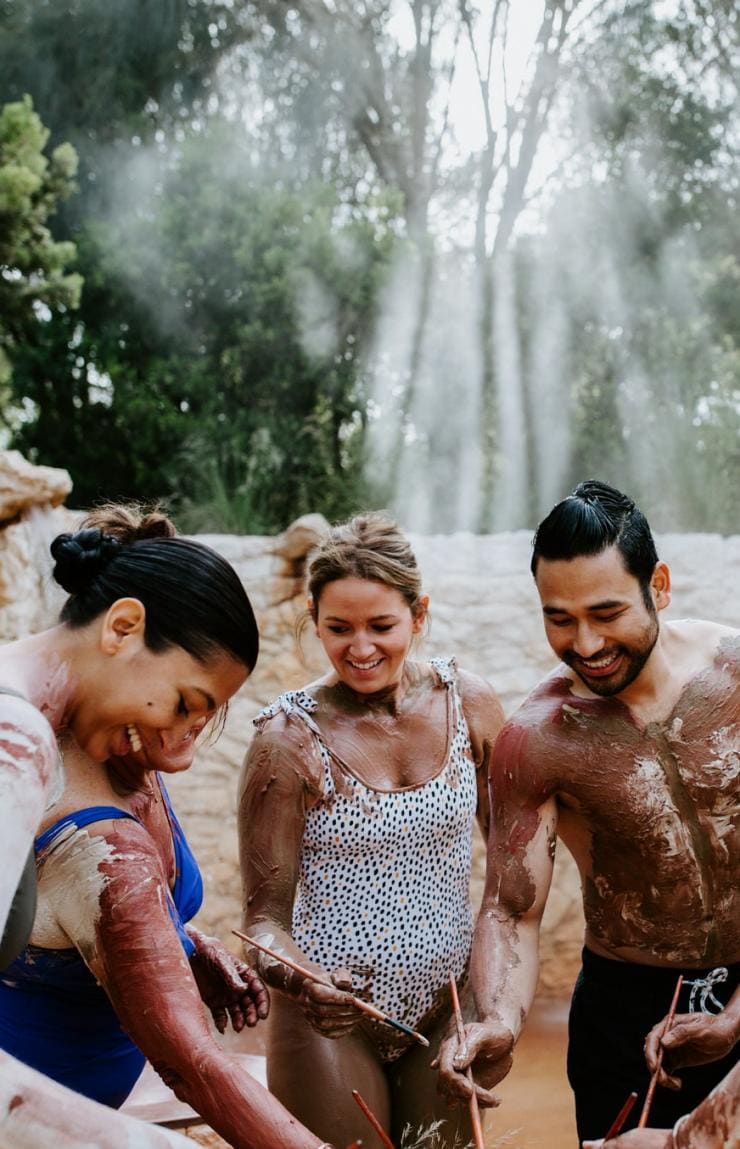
x=693, y=1039
x=487, y=1049
x=331, y=1011
x=636, y=1139
x=228, y=986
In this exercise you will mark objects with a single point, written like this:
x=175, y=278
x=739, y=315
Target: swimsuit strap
x=293, y=702
x=79, y=819
x=445, y=669
x=187, y=892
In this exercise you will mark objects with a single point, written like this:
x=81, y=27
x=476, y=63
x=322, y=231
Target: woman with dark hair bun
x=156, y=635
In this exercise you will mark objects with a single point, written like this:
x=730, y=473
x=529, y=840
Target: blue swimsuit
x=55, y=1017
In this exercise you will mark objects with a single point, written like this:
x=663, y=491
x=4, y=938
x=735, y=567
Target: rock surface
x=30, y=517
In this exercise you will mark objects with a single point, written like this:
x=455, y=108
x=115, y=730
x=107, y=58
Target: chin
x=168, y=765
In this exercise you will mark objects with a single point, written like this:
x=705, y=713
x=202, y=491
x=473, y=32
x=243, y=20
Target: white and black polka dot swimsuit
x=384, y=874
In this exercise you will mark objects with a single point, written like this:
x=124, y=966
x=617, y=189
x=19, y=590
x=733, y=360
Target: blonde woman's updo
x=370, y=546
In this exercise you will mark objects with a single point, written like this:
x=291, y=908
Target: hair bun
x=80, y=557
x=130, y=522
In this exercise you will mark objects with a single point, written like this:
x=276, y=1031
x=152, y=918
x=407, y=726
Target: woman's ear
x=420, y=612
x=124, y=623
x=311, y=608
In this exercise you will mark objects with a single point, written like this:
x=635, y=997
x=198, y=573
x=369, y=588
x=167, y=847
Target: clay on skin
x=673, y=792
x=29, y=769
x=134, y=944
x=715, y=1124
x=283, y=777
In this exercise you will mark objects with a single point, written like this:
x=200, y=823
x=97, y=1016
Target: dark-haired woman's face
x=153, y=706
x=366, y=629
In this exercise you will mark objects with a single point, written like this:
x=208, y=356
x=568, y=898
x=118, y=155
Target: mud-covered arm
x=505, y=961
x=29, y=768
x=112, y=893
x=281, y=776
x=37, y=1113
x=485, y=717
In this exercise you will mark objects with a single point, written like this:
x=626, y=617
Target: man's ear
x=124, y=623
x=660, y=585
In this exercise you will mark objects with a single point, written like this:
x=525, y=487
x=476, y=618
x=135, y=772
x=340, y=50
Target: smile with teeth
x=364, y=665
x=134, y=738
x=600, y=663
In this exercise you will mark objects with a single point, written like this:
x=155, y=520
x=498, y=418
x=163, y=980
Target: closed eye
x=182, y=706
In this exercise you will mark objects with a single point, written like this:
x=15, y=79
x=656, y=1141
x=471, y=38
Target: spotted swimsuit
x=384, y=874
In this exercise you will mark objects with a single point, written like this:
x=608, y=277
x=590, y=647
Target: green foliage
x=226, y=316
x=246, y=172
x=33, y=266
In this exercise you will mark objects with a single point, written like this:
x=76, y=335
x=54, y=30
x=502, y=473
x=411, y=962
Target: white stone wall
x=485, y=611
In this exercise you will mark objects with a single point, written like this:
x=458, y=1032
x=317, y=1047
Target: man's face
x=596, y=618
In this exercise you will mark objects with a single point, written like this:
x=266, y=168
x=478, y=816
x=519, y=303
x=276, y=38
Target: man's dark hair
x=594, y=517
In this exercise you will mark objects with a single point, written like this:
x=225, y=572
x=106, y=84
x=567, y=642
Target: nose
x=588, y=641
x=362, y=645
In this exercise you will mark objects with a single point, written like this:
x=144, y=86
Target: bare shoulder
x=702, y=644
x=480, y=701
x=528, y=747
x=483, y=712
x=283, y=748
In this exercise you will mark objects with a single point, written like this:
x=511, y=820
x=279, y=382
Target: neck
x=389, y=700
x=128, y=777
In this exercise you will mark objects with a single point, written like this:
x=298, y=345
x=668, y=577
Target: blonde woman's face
x=366, y=629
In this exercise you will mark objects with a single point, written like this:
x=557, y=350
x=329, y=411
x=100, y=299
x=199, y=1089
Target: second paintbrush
x=364, y=1006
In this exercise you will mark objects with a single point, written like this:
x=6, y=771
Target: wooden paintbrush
x=373, y=1120
x=619, y=1120
x=370, y=1010
x=659, y=1061
x=473, y=1102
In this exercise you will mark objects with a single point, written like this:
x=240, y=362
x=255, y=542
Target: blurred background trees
x=443, y=256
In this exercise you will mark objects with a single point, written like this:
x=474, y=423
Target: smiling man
x=630, y=752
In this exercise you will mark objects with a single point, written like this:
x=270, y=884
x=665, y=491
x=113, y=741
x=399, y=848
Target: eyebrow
x=375, y=618
x=607, y=604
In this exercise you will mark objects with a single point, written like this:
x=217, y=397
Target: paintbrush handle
x=473, y=1102
x=659, y=1060
x=619, y=1120
x=364, y=1006
x=373, y=1120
